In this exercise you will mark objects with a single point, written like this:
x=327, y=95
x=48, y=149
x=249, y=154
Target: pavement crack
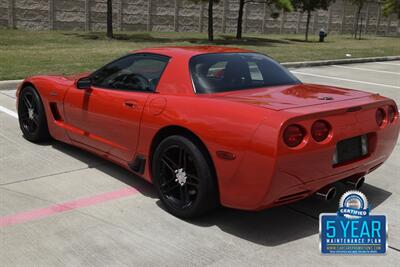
x=395, y=249
x=48, y=175
x=7, y=95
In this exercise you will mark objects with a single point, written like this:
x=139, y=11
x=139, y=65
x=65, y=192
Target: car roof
x=190, y=51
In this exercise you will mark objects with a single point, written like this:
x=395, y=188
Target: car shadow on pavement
x=271, y=227
x=279, y=225
x=107, y=167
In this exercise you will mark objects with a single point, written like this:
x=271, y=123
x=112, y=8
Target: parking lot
x=63, y=206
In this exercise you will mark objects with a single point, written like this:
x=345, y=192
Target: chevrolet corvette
x=212, y=126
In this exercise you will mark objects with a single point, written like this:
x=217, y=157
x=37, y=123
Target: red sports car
x=214, y=125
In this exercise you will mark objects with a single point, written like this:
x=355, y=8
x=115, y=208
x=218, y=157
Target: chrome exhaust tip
x=356, y=182
x=326, y=193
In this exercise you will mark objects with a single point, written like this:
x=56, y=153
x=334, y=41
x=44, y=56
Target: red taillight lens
x=293, y=135
x=380, y=116
x=391, y=113
x=320, y=130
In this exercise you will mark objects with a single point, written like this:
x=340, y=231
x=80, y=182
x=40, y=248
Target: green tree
x=283, y=4
x=110, y=33
x=391, y=7
x=210, y=17
x=307, y=6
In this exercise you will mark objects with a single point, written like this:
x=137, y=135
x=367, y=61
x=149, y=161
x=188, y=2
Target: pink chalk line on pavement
x=66, y=206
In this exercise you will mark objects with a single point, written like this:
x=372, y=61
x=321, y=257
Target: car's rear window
x=213, y=73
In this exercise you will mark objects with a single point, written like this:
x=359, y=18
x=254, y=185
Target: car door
x=107, y=115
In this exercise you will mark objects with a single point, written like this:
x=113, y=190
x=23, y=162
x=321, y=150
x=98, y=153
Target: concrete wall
x=185, y=16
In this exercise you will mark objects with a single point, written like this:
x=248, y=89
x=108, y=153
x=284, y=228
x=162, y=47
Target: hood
x=66, y=80
x=59, y=77
x=291, y=96
x=78, y=76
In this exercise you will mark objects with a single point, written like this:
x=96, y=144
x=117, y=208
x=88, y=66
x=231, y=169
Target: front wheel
x=184, y=177
x=32, y=116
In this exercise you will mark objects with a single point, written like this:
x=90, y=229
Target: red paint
x=63, y=207
x=249, y=124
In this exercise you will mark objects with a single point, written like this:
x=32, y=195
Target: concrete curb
x=12, y=84
x=338, y=61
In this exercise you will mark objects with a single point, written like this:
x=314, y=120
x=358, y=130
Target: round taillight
x=320, y=130
x=380, y=116
x=293, y=135
x=391, y=113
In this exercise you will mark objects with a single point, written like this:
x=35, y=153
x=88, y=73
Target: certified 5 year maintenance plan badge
x=352, y=230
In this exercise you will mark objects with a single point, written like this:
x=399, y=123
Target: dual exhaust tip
x=326, y=193
x=355, y=182
x=329, y=192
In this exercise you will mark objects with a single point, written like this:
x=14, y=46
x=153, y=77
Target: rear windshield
x=213, y=73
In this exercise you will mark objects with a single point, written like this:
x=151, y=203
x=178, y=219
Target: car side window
x=131, y=73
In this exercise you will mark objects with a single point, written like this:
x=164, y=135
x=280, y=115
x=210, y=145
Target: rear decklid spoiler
x=292, y=96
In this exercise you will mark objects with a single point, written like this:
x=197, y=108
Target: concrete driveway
x=66, y=207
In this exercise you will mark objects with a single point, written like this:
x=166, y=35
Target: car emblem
x=180, y=176
x=325, y=98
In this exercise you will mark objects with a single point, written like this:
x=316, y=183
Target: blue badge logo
x=353, y=205
x=352, y=230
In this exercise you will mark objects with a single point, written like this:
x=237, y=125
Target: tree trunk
x=240, y=20
x=357, y=21
x=308, y=23
x=356, y=27
x=110, y=33
x=359, y=33
x=210, y=20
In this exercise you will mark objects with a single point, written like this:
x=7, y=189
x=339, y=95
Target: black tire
x=32, y=116
x=198, y=193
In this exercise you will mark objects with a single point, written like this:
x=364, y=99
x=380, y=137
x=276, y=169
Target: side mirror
x=84, y=83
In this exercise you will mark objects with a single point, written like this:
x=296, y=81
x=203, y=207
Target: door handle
x=130, y=104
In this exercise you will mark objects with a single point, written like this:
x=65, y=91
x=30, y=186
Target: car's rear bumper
x=286, y=195
x=271, y=175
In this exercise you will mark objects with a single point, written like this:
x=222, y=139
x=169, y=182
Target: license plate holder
x=351, y=149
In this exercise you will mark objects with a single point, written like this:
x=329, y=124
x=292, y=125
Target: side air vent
x=292, y=197
x=375, y=167
x=354, y=109
x=55, y=112
x=138, y=164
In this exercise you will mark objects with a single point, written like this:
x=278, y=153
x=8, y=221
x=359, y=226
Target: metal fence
x=187, y=16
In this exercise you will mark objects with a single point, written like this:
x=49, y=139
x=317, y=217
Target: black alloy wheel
x=31, y=116
x=183, y=177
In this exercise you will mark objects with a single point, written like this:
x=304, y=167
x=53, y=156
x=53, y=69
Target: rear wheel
x=31, y=116
x=184, y=177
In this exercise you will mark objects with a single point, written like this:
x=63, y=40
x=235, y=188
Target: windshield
x=214, y=73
